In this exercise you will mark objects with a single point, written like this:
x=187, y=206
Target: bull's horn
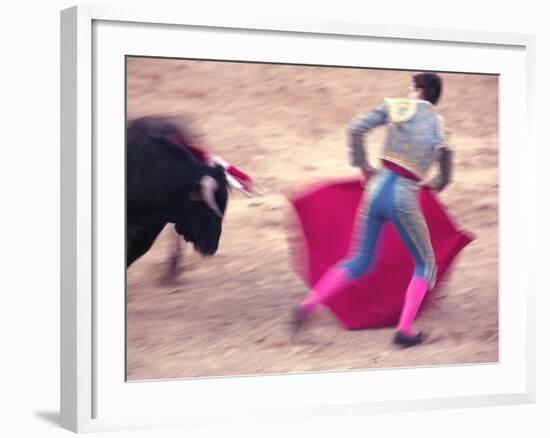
x=208, y=187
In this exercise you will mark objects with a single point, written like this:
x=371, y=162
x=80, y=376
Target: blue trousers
x=393, y=198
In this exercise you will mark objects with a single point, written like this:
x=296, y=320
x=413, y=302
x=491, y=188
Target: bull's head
x=202, y=222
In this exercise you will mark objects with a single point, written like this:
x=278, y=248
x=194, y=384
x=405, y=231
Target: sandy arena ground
x=285, y=125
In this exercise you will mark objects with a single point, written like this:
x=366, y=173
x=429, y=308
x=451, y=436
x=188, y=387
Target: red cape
x=326, y=216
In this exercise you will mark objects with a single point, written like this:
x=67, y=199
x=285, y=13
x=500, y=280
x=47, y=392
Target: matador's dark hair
x=430, y=84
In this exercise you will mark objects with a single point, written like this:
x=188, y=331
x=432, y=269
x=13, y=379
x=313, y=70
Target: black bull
x=166, y=184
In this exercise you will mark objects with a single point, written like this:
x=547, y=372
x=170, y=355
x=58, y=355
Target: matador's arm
x=443, y=177
x=357, y=129
x=444, y=157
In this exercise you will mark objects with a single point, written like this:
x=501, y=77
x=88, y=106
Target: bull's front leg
x=176, y=256
x=139, y=239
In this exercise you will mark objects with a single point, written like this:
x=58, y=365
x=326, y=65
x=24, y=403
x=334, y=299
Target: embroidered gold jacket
x=415, y=133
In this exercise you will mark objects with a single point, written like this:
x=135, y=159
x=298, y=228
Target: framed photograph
x=211, y=178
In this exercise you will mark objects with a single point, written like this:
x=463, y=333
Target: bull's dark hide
x=163, y=186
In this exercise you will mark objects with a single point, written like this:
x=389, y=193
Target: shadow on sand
x=51, y=417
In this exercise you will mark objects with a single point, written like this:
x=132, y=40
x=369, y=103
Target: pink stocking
x=413, y=299
x=330, y=283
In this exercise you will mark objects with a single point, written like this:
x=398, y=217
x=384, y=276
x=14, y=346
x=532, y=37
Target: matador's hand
x=367, y=171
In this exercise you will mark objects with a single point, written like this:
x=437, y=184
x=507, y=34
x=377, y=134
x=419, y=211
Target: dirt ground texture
x=286, y=125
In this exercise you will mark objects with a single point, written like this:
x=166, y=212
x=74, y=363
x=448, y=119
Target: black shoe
x=405, y=340
x=297, y=320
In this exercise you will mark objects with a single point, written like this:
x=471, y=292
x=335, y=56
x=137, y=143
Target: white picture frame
x=93, y=395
